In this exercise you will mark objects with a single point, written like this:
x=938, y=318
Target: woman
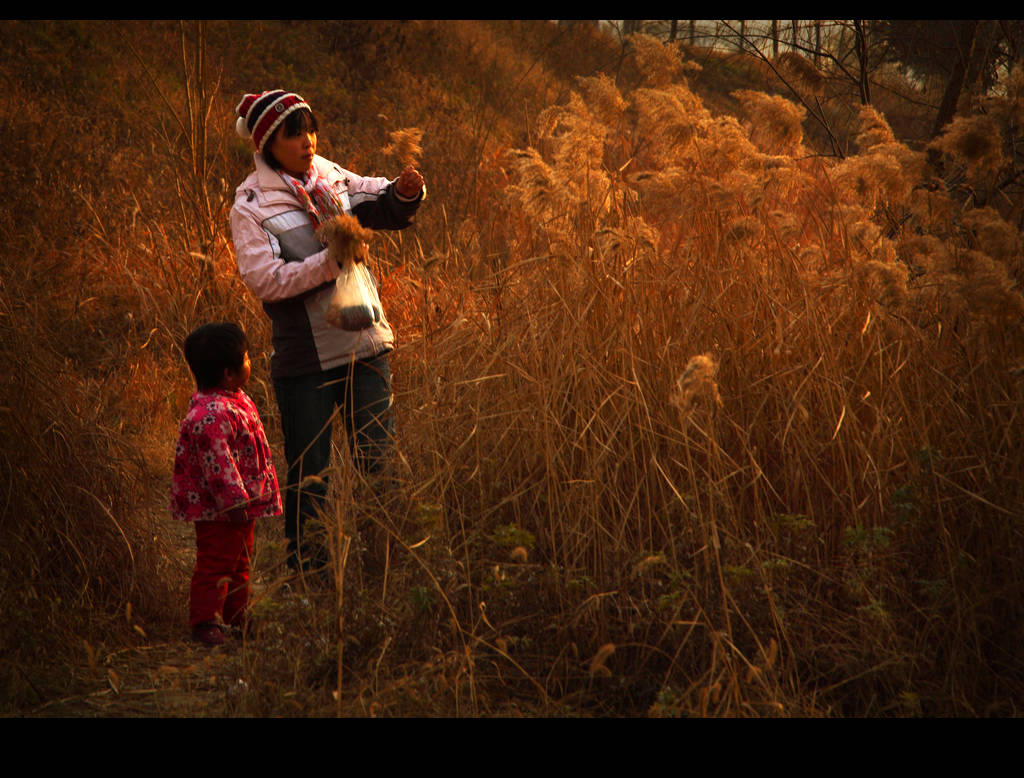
x=314, y=366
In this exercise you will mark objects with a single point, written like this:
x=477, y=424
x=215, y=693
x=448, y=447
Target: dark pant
x=361, y=393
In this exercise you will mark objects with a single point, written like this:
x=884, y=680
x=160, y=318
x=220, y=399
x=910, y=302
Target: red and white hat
x=259, y=115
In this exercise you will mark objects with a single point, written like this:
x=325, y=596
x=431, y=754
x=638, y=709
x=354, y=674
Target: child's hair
x=295, y=123
x=212, y=348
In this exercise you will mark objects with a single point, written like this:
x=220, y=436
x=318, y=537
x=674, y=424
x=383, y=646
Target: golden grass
x=684, y=427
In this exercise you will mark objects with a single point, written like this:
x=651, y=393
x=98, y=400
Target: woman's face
x=293, y=153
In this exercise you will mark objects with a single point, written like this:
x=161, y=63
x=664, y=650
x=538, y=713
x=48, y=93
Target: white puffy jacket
x=284, y=264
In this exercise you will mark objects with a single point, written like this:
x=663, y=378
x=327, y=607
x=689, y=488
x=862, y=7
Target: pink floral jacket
x=223, y=469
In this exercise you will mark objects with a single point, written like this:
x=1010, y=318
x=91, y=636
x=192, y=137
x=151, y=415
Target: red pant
x=220, y=582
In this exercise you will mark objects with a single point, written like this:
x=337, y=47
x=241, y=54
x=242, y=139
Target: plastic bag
x=354, y=304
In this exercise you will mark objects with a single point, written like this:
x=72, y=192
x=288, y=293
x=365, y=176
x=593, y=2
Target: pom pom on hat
x=259, y=115
x=242, y=129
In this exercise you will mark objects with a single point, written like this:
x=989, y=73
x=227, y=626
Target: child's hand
x=409, y=182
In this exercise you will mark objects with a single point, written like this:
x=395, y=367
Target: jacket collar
x=268, y=178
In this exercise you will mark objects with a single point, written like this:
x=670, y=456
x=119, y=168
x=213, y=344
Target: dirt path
x=171, y=675
x=166, y=674
x=161, y=679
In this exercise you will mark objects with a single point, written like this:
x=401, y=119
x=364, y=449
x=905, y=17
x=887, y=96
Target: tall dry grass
x=715, y=414
x=691, y=421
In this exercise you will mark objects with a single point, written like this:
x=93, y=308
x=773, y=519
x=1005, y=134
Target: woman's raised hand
x=409, y=182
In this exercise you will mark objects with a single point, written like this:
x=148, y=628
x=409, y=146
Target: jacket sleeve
x=376, y=203
x=264, y=271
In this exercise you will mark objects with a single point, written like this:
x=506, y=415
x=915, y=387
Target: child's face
x=236, y=379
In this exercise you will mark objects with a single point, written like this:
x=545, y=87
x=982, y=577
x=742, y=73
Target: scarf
x=316, y=196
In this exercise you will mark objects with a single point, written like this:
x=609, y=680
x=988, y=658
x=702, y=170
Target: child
x=224, y=478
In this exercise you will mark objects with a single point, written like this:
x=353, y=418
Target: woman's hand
x=409, y=182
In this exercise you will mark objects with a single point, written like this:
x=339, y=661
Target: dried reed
x=814, y=516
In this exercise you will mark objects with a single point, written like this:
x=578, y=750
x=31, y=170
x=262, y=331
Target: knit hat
x=259, y=115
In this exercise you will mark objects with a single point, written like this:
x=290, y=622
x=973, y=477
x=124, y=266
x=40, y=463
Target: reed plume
x=346, y=238
x=404, y=146
x=659, y=64
x=800, y=71
x=975, y=141
x=776, y=123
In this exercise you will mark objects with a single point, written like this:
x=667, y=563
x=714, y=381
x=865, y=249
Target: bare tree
x=955, y=84
x=861, y=38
